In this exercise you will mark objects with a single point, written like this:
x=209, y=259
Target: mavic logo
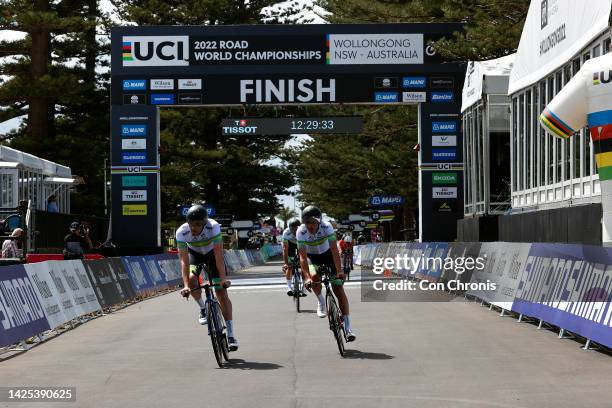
x=155, y=51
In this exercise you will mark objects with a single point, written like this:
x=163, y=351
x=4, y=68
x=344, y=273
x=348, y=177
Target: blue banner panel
x=569, y=286
x=21, y=312
x=139, y=274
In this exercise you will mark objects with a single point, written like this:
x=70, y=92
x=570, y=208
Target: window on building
x=606, y=45
x=514, y=144
x=543, y=136
x=521, y=143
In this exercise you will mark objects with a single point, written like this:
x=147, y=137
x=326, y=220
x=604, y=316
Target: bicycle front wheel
x=335, y=323
x=296, y=292
x=213, y=332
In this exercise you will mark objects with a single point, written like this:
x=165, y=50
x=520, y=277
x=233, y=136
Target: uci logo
x=155, y=51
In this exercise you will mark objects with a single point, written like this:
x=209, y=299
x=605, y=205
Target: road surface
x=408, y=354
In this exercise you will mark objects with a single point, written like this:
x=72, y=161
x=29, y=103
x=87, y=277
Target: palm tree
x=286, y=214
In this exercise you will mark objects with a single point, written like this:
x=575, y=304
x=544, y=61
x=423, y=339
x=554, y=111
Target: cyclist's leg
x=289, y=276
x=338, y=288
x=196, y=280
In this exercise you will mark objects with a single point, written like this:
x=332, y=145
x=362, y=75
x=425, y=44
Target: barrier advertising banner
x=78, y=282
x=21, y=312
x=47, y=293
x=569, y=286
x=121, y=277
x=504, y=264
x=107, y=288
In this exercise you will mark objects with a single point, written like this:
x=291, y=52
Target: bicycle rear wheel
x=296, y=291
x=213, y=321
x=335, y=323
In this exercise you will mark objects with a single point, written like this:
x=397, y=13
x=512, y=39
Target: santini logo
x=155, y=51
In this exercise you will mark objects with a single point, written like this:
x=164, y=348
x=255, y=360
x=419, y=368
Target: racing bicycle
x=215, y=321
x=297, y=283
x=334, y=316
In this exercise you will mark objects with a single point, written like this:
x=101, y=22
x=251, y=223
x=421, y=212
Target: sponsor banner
x=443, y=154
x=414, y=97
x=386, y=200
x=47, y=293
x=463, y=270
x=134, y=158
x=386, y=97
x=134, y=130
x=134, y=99
x=122, y=278
x=134, y=209
x=189, y=99
x=134, y=181
x=440, y=97
x=444, y=127
x=444, y=206
x=386, y=83
x=441, y=82
x=138, y=274
x=134, y=195
x=569, y=286
x=443, y=141
x=21, y=312
x=134, y=144
x=134, y=84
x=108, y=289
x=80, y=286
x=504, y=263
x=444, y=178
x=134, y=169
x=414, y=82
x=190, y=84
x=162, y=84
x=441, y=166
x=365, y=49
x=162, y=99
x=170, y=267
x=444, y=192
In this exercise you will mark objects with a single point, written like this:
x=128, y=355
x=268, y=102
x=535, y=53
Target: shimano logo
x=140, y=51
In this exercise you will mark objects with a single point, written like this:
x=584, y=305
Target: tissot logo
x=140, y=51
x=240, y=128
x=544, y=14
x=287, y=90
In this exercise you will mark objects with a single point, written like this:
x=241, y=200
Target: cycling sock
x=347, y=322
x=289, y=282
x=230, y=328
x=201, y=304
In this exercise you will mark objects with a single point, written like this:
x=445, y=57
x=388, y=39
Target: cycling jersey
x=586, y=100
x=318, y=242
x=290, y=240
x=202, y=243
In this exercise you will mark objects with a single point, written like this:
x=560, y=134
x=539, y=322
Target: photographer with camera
x=77, y=241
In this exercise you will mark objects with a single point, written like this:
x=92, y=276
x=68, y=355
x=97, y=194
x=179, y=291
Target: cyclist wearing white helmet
x=317, y=244
x=199, y=242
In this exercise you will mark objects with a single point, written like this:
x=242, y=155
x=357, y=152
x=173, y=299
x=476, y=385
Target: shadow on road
x=237, y=363
x=307, y=311
x=357, y=354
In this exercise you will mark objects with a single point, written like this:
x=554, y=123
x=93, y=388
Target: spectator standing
x=77, y=242
x=52, y=204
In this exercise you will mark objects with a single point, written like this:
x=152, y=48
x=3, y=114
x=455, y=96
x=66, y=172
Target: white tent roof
x=46, y=167
x=475, y=77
